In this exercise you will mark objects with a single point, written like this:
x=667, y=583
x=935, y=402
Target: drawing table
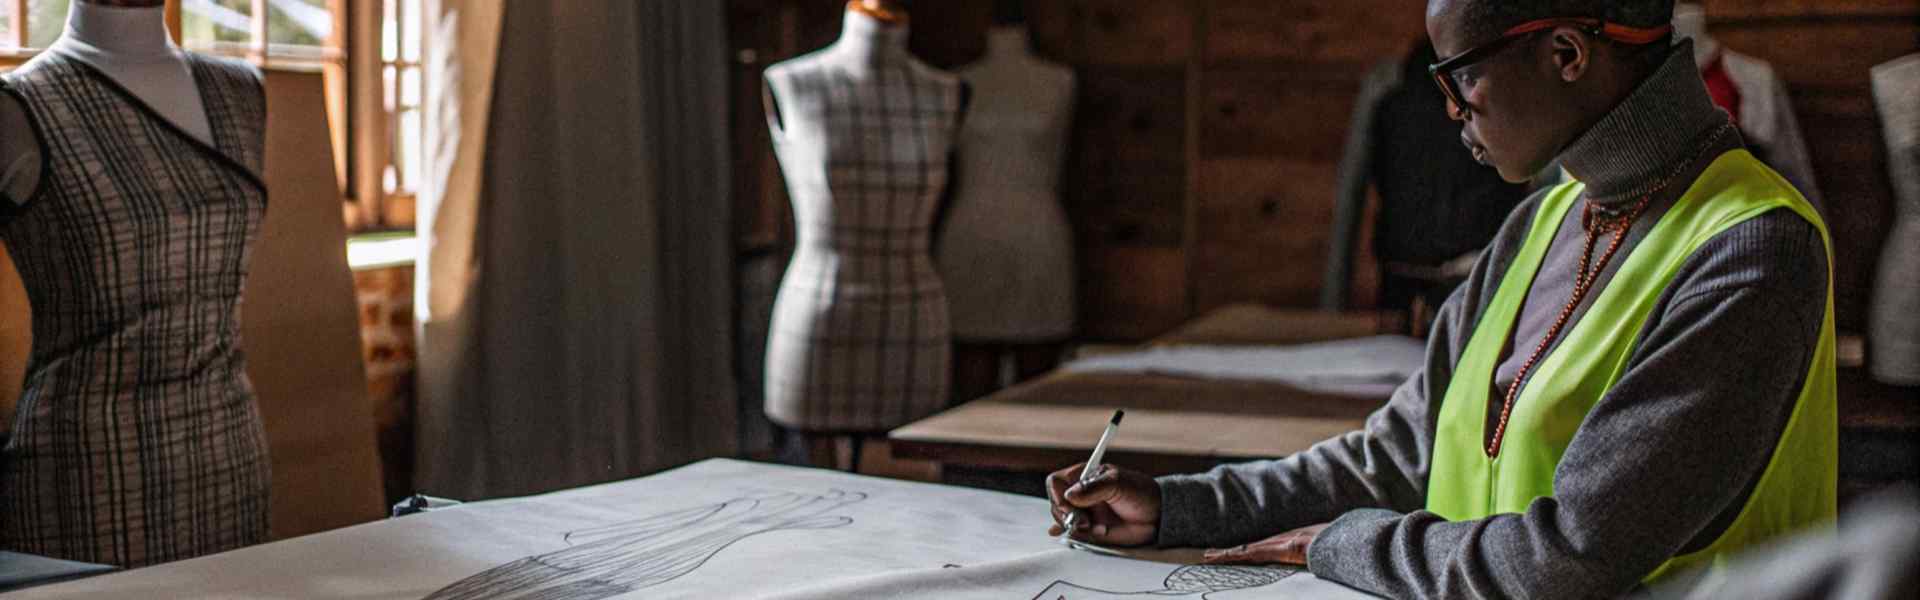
x=715, y=529
x=1174, y=424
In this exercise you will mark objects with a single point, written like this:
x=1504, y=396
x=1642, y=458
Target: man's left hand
x=1288, y=548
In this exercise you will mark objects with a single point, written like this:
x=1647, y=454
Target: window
x=402, y=87
x=267, y=31
x=276, y=29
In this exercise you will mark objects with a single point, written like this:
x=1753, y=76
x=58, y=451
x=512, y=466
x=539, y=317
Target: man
x=1637, y=378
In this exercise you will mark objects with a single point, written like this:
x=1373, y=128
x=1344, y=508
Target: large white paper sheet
x=1369, y=366
x=717, y=529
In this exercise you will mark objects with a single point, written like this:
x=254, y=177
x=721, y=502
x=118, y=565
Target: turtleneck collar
x=1662, y=124
x=122, y=34
x=866, y=37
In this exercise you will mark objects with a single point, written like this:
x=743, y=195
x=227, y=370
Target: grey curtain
x=589, y=336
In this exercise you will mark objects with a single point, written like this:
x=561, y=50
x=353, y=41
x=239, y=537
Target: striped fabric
x=137, y=439
x=859, y=337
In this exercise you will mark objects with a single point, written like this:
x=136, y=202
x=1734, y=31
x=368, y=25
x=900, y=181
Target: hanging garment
x=863, y=132
x=1436, y=203
x=1760, y=105
x=137, y=439
x=1895, y=332
x=1005, y=252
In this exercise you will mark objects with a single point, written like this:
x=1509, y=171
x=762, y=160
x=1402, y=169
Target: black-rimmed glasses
x=1443, y=72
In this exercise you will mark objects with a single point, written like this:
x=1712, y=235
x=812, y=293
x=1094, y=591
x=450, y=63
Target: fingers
x=1057, y=484
x=1059, y=481
x=1099, y=490
x=1285, y=548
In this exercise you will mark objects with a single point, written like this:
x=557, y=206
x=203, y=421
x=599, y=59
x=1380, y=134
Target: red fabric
x=1720, y=86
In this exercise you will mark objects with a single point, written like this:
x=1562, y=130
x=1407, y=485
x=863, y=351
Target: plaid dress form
x=137, y=439
x=859, y=338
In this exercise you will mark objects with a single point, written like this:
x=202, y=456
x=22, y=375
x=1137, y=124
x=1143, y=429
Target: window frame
x=351, y=61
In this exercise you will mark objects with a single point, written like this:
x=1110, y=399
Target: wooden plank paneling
x=1131, y=32
x=1783, y=9
x=1125, y=292
x=1824, y=53
x=1263, y=225
x=1295, y=113
x=1126, y=183
x=1348, y=33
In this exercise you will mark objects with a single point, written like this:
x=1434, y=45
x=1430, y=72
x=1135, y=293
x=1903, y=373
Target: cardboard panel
x=16, y=337
x=300, y=329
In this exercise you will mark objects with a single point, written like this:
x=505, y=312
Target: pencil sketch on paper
x=1191, y=581
x=617, y=559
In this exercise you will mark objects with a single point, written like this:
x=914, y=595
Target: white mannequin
x=1006, y=251
x=1690, y=21
x=128, y=41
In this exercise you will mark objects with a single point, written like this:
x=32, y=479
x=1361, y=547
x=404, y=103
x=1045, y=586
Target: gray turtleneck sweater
x=1661, y=465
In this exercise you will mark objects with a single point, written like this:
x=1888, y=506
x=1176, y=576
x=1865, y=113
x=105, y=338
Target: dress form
x=1894, y=325
x=133, y=246
x=1006, y=251
x=863, y=132
x=130, y=45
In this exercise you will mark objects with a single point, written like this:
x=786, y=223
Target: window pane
x=410, y=31
x=298, y=22
x=45, y=20
x=6, y=27
x=205, y=23
x=390, y=31
x=409, y=150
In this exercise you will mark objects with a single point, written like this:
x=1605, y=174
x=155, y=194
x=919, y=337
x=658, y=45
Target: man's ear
x=1572, y=53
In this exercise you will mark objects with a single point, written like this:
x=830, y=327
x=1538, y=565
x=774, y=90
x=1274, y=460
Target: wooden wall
x=1202, y=172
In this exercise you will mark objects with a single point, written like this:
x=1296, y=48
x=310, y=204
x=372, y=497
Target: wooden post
x=174, y=27
x=366, y=107
x=20, y=23
x=258, y=51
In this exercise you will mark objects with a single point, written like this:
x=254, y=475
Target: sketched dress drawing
x=622, y=558
x=1191, y=581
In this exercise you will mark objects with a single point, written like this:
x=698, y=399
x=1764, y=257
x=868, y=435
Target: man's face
x=1511, y=104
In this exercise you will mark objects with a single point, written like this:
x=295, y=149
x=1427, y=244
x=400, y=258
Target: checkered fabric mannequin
x=863, y=132
x=137, y=439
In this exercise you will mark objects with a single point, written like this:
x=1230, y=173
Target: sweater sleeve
x=1671, y=450
x=1383, y=465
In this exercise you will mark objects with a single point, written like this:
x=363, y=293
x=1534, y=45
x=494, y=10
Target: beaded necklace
x=1593, y=219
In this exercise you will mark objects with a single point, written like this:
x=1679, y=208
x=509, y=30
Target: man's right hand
x=1117, y=507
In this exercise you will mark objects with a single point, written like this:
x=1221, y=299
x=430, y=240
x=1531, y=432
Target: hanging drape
x=575, y=311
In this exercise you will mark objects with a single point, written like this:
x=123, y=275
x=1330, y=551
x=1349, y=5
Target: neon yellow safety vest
x=1796, y=490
